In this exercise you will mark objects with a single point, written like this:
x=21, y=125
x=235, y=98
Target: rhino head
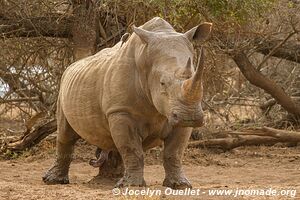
x=174, y=84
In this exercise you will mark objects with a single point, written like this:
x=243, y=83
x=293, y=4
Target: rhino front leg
x=129, y=144
x=174, y=146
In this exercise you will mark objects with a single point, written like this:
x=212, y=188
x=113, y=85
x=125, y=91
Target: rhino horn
x=192, y=87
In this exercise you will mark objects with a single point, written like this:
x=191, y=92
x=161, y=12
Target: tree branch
x=259, y=80
x=54, y=26
x=275, y=49
x=289, y=51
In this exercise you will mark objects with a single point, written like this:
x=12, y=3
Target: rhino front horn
x=192, y=88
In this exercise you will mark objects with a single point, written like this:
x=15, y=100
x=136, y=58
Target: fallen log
x=283, y=135
x=231, y=143
x=33, y=136
x=260, y=136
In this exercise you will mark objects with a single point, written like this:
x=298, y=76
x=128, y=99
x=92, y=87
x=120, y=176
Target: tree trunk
x=84, y=28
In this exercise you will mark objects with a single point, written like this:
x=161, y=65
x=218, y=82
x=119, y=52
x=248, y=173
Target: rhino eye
x=163, y=88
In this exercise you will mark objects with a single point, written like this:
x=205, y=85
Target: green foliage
x=238, y=10
x=183, y=14
x=10, y=154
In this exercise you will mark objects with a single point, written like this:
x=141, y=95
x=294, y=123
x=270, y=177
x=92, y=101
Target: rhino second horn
x=187, y=71
x=189, y=64
x=192, y=88
x=200, y=66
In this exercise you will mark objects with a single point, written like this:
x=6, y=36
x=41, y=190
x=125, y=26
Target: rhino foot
x=128, y=181
x=177, y=183
x=55, y=176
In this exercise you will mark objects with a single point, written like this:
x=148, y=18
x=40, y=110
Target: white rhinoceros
x=128, y=97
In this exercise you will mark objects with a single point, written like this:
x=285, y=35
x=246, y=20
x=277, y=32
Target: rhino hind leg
x=66, y=139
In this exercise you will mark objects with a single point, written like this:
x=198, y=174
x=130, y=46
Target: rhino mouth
x=190, y=123
x=179, y=122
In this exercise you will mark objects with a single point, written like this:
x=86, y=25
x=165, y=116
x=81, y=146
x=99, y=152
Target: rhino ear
x=200, y=32
x=144, y=35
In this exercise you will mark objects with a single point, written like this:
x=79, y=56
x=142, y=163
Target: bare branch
x=53, y=26
x=275, y=49
x=288, y=50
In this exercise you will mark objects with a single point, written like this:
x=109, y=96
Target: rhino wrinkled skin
x=131, y=98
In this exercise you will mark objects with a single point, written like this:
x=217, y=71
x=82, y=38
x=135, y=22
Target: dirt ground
x=243, y=168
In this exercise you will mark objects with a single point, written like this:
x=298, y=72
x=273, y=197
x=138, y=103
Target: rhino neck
x=134, y=52
x=143, y=66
